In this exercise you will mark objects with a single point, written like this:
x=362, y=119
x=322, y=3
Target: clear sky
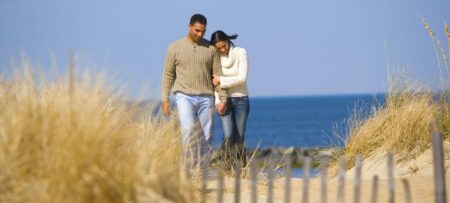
x=295, y=47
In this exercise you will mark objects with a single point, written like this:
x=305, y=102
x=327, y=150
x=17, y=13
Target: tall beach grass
x=410, y=113
x=73, y=139
x=403, y=125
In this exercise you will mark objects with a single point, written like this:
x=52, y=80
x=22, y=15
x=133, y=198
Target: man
x=189, y=66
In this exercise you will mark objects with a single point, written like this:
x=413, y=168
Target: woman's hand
x=216, y=80
x=221, y=108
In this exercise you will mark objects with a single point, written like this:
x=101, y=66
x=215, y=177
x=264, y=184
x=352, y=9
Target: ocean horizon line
x=319, y=95
x=158, y=100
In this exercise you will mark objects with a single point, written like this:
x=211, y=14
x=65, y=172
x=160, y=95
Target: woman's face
x=222, y=47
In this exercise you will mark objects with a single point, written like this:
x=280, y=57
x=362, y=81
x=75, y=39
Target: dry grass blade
x=447, y=33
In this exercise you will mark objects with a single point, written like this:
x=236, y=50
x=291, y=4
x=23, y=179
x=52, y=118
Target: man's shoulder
x=204, y=42
x=176, y=43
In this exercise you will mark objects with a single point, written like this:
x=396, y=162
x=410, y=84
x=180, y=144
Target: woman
x=234, y=80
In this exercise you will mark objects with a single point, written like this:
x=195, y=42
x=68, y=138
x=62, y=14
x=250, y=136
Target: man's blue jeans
x=234, y=121
x=197, y=142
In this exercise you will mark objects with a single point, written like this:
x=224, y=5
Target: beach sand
x=418, y=172
x=422, y=190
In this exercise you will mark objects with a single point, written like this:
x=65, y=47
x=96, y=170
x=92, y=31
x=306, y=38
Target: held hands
x=166, y=108
x=216, y=80
x=221, y=108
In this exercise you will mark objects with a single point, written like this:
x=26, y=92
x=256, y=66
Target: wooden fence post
x=306, y=175
x=439, y=170
x=341, y=180
x=323, y=180
x=358, y=166
x=204, y=180
x=220, y=182
x=237, y=181
x=287, y=183
x=407, y=190
x=253, y=176
x=390, y=168
x=270, y=181
x=374, y=195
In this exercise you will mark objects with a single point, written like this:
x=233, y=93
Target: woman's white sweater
x=235, y=71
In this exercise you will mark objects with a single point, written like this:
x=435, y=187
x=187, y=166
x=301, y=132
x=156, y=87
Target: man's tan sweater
x=189, y=67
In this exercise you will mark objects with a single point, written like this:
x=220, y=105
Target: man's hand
x=221, y=108
x=216, y=80
x=166, y=108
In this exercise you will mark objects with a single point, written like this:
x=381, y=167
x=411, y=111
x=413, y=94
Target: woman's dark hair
x=219, y=35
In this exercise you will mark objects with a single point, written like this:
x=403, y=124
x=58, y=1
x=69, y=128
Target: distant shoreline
x=278, y=154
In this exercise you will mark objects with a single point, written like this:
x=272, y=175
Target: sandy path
x=422, y=189
x=418, y=172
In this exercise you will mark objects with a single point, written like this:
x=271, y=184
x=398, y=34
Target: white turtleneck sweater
x=235, y=71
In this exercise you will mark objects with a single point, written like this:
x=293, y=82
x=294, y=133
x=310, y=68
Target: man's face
x=197, y=31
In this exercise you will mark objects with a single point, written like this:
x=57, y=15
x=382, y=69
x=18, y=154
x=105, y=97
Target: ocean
x=301, y=121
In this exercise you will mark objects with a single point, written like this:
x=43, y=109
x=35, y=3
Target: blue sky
x=295, y=47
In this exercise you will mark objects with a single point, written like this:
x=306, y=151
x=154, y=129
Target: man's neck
x=191, y=40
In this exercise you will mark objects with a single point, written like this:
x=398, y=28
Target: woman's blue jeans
x=234, y=122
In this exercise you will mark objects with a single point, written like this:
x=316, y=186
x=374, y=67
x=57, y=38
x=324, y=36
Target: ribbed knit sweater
x=235, y=71
x=189, y=67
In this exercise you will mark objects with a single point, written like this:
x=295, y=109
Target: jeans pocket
x=179, y=96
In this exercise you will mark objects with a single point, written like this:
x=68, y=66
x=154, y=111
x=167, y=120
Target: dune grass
x=443, y=63
x=404, y=123
x=73, y=139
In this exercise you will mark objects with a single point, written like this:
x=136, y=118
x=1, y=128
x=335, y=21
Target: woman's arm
x=230, y=81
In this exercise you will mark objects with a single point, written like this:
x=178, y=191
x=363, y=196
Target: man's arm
x=168, y=79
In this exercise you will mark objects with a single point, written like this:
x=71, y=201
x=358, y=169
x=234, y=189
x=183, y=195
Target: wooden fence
x=439, y=179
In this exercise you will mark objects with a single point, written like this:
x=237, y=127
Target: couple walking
x=206, y=75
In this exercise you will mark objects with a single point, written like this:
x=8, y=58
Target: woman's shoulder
x=239, y=50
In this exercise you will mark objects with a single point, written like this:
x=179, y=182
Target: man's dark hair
x=198, y=18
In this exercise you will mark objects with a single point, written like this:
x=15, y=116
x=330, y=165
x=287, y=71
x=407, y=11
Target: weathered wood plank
x=390, y=171
x=358, y=166
x=270, y=180
x=407, y=190
x=374, y=195
x=237, y=181
x=220, y=182
x=341, y=180
x=439, y=168
x=323, y=180
x=306, y=175
x=287, y=183
x=253, y=177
